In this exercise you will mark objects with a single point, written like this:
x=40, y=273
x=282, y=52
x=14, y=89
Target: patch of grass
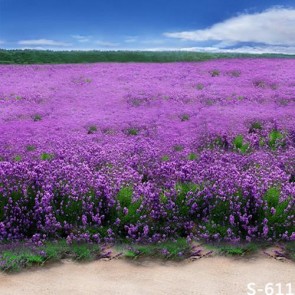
x=255, y=126
x=184, y=117
x=183, y=189
x=276, y=213
x=30, y=148
x=23, y=256
x=128, y=213
x=165, y=158
x=37, y=117
x=290, y=248
x=200, y=86
x=239, y=144
x=92, y=129
x=175, y=250
x=275, y=139
x=215, y=73
x=16, y=260
x=178, y=147
x=192, y=156
x=46, y=156
x=132, y=131
x=17, y=158
x=234, y=250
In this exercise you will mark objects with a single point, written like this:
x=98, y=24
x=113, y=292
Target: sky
x=254, y=26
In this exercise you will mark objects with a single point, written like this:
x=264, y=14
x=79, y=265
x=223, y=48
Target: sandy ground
x=208, y=276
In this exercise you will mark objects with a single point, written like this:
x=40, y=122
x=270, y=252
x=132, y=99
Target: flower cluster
x=147, y=152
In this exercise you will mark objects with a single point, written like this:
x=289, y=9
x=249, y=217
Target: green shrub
x=275, y=139
x=238, y=144
x=37, y=117
x=46, y=156
x=92, y=129
x=215, y=73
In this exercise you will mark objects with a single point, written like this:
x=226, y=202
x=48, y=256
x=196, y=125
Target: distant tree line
x=57, y=57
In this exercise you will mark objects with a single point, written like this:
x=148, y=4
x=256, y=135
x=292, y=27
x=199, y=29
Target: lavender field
x=148, y=152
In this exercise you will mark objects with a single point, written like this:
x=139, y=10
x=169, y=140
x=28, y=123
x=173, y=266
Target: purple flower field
x=147, y=152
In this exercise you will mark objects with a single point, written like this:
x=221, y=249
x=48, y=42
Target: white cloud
x=131, y=39
x=275, y=26
x=242, y=49
x=43, y=42
x=106, y=44
x=82, y=38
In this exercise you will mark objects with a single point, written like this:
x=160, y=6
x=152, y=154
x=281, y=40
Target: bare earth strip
x=216, y=275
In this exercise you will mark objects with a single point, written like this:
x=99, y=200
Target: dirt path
x=208, y=276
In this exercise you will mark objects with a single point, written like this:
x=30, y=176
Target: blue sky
x=203, y=25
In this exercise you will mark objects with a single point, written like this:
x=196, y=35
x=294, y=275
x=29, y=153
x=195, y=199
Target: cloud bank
x=272, y=27
x=43, y=42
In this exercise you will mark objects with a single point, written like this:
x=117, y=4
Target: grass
x=29, y=56
x=290, y=249
x=37, y=117
x=200, y=86
x=132, y=131
x=214, y=73
x=14, y=258
x=239, y=144
x=23, y=256
x=234, y=250
x=92, y=129
x=30, y=148
x=46, y=156
x=174, y=250
x=275, y=139
x=255, y=126
x=184, y=117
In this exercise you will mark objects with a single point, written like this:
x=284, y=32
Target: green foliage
x=69, y=209
x=276, y=213
x=272, y=197
x=56, y=250
x=82, y=252
x=37, y=117
x=132, y=131
x=17, y=158
x=23, y=256
x=124, y=198
x=178, y=147
x=29, y=56
x=200, y=86
x=275, y=139
x=235, y=250
x=165, y=158
x=239, y=145
x=192, y=156
x=30, y=148
x=255, y=126
x=176, y=250
x=183, y=189
x=92, y=129
x=46, y=156
x=184, y=117
x=214, y=73
x=16, y=260
x=290, y=248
